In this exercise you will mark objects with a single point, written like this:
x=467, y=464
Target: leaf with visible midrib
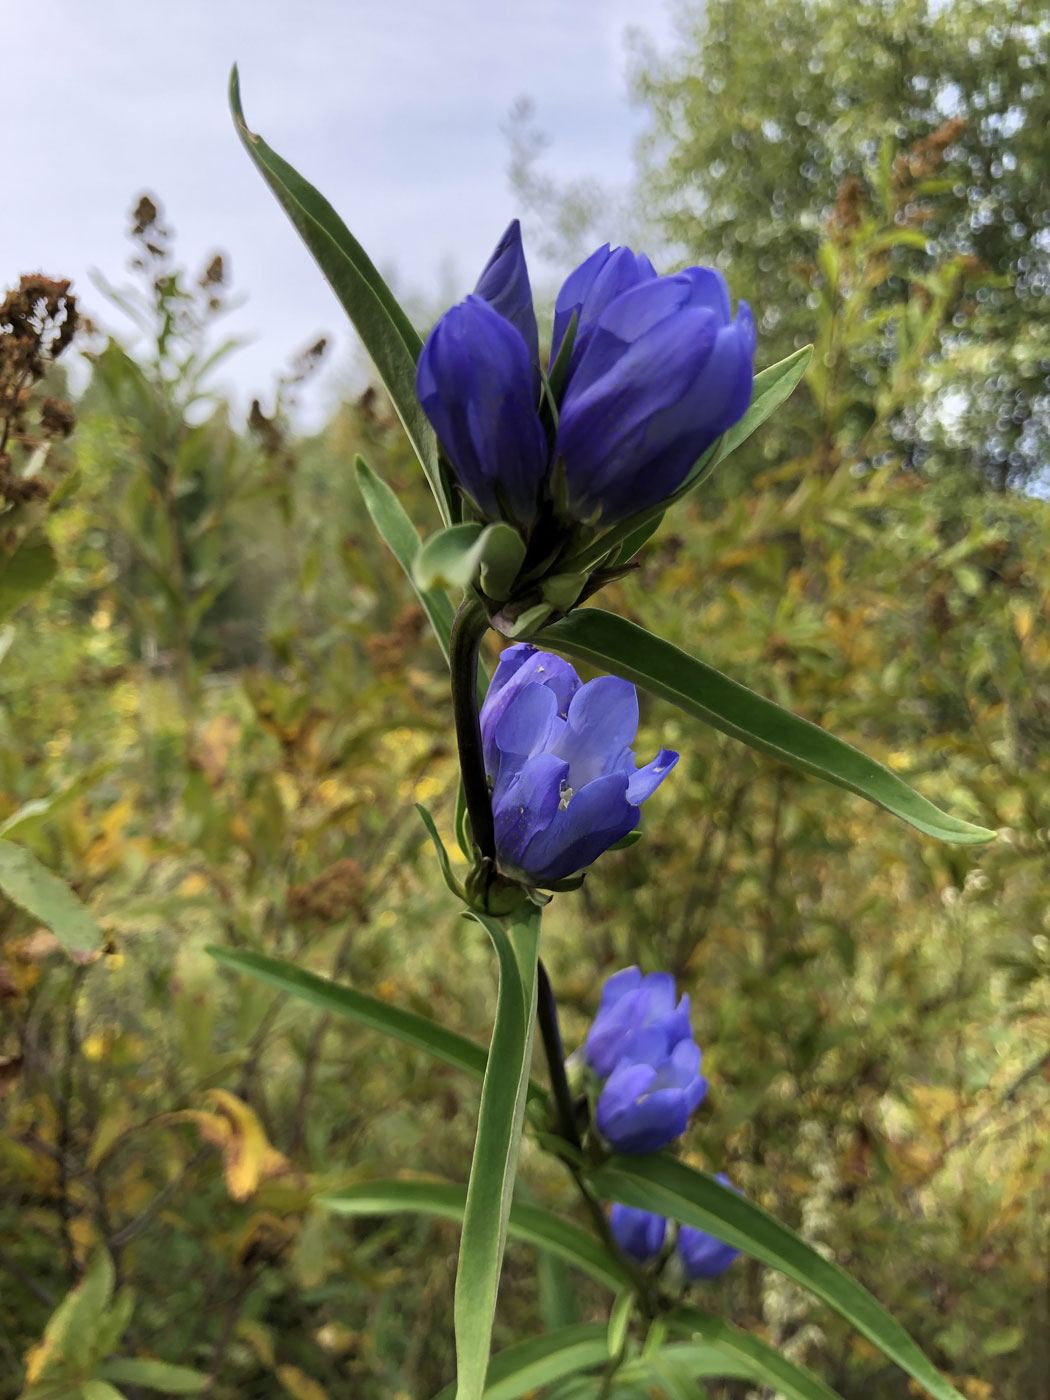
x=613, y=643
x=37, y=890
x=495, y=1161
x=387, y=334
x=660, y=1183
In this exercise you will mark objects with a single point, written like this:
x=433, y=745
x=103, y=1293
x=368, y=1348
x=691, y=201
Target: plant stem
x=470, y=626
x=547, y=1014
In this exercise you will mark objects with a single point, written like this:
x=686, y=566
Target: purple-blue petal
x=518, y=667
x=589, y=289
x=643, y=782
x=702, y=1255
x=504, y=284
x=474, y=381
x=648, y=1124
x=525, y=726
x=593, y=819
x=602, y=721
x=526, y=803
x=639, y=1233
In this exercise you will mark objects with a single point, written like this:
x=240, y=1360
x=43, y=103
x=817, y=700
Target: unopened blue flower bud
x=565, y=786
x=639, y=1233
x=641, y=1046
x=474, y=382
x=504, y=284
x=664, y=372
x=704, y=1256
x=659, y=370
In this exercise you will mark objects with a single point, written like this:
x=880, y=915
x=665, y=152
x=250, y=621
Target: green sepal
x=631, y=839
x=457, y=557
x=442, y=855
x=517, y=628
x=563, y=591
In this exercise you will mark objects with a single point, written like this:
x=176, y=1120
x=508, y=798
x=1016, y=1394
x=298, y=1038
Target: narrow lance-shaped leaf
x=668, y=1187
x=155, y=1375
x=385, y=330
x=436, y=1040
x=526, y=1367
x=528, y=1223
x=495, y=1162
x=616, y=645
x=766, y=1364
x=399, y=535
x=37, y=890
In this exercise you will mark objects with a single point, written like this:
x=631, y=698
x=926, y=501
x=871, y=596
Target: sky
x=394, y=110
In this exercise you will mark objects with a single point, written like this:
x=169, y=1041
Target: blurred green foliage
x=215, y=722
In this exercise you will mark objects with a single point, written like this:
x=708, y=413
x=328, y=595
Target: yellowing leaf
x=247, y=1157
x=299, y=1385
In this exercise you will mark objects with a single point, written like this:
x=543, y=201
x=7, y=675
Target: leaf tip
x=236, y=108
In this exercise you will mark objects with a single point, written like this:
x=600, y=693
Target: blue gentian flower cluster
x=641, y=1234
x=641, y=1048
x=659, y=369
x=565, y=786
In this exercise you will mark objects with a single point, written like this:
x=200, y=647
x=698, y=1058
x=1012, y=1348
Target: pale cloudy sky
x=393, y=109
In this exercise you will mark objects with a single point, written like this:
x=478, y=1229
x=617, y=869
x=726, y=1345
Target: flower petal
x=593, y=820
x=518, y=667
x=526, y=805
x=649, y=1124
x=474, y=382
x=504, y=284
x=527, y=725
x=602, y=722
x=643, y=782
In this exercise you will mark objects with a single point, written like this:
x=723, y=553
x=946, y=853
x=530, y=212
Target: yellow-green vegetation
x=214, y=725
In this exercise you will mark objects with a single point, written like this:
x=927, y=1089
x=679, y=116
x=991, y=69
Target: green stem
x=470, y=626
x=547, y=1014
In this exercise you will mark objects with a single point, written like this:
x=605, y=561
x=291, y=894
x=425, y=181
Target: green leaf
x=495, y=1161
x=100, y=1390
x=399, y=535
x=744, y=1350
x=678, y=1364
x=525, y=1367
x=42, y=894
x=619, y=1321
x=387, y=334
x=451, y=558
x=67, y=1348
x=660, y=1183
x=627, y=650
x=445, y=1045
x=771, y=388
x=501, y=559
x=31, y=568
x=528, y=1223
x=454, y=558
x=442, y=855
x=157, y=1375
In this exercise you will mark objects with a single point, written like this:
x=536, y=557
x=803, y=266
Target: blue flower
x=639, y=1233
x=474, y=381
x=659, y=370
x=704, y=1256
x=565, y=786
x=663, y=373
x=641, y=1046
x=504, y=284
